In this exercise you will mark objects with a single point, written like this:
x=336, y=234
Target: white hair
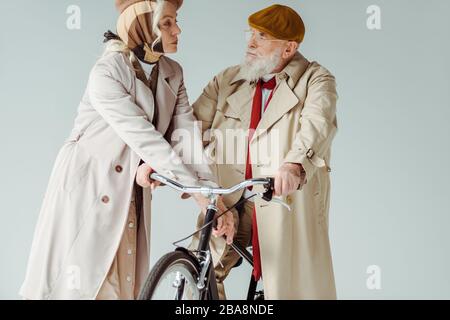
x=156, y=18
x=255, y=69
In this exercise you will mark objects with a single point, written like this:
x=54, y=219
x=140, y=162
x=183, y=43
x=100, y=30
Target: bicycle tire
x=165, y=263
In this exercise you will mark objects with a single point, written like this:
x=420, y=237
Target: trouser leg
x=231, y=257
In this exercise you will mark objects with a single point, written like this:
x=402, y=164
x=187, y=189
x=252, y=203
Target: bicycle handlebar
x=210, y=190
x=268, y=183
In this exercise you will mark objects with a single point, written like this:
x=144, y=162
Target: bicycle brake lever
x=284, y=204
x=276, y=200
x=268, y=195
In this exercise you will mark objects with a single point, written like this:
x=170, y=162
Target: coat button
x=105, y=199
x=119, y=169
x=289, y=200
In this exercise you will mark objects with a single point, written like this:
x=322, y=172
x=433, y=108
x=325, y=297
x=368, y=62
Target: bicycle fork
x=179, y=284
x=207, y=277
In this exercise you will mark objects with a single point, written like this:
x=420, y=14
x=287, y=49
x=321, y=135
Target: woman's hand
x=143, y=177
x=225, y=224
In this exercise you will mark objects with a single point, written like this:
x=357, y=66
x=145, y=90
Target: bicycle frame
x=207, y=279
x=206, y=261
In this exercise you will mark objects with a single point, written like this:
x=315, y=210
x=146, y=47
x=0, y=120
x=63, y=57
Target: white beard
x=254, y=69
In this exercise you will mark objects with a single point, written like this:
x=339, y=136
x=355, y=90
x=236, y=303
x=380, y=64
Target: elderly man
x=285, y=108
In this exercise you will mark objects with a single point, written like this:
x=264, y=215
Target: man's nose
x=251, y=44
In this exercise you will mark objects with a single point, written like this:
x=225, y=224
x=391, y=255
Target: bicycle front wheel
x=174, y=277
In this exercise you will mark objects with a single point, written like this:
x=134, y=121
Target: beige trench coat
x=298, y=126
x=86, y=204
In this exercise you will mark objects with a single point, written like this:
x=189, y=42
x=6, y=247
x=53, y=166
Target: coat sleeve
x=205, y=107
x=318, y=123
x=186, y=139
x=114, y=103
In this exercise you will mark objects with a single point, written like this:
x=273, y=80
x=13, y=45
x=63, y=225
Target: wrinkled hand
x=143, y=177
x=225, y=224
x=289, y=178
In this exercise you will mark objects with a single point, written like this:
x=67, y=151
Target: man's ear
x=290, y=50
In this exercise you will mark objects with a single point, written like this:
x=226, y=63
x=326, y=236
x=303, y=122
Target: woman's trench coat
x=86, y=204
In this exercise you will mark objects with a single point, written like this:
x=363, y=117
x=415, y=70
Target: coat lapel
x=166, y=96
x=284, y=99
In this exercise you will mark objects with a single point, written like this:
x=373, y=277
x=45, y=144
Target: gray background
x=390, y=159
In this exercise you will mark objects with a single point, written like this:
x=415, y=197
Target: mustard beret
x=280, y=22
x=121, y=5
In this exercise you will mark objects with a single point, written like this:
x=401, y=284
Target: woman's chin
x=173, y=48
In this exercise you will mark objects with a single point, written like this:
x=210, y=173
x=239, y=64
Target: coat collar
x=166, y=92
x=165, y=68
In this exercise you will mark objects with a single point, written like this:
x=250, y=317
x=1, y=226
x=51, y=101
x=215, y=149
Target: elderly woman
x=92, y=237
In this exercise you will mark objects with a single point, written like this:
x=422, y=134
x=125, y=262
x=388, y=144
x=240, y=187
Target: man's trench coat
x=298, y=126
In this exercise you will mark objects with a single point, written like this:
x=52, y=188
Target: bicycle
x=189, y=275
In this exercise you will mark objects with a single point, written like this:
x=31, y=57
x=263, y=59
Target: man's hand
x=289, y=178
x=225, y=224
x=143, y=177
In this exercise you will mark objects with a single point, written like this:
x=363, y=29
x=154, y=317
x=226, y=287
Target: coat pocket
x=76, y=168
x=231, y=114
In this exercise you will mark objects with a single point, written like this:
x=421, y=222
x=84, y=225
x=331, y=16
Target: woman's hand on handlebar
x=143, y=177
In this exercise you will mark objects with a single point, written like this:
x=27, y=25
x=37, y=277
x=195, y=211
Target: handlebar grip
x=152, y=177
x=267, y=196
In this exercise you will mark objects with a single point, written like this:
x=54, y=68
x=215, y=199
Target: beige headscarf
x=135, y=27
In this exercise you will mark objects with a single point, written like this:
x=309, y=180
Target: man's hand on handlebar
x=289, y=178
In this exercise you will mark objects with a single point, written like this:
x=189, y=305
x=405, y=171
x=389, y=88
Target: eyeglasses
x=259, y=36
